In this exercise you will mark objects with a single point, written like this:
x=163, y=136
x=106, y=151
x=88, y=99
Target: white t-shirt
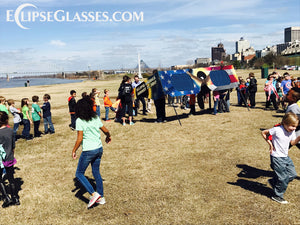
x=14, y=111
x=281, y=141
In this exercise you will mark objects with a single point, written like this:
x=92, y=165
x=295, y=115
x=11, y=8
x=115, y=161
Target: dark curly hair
x=84, y=109
x=3, y=118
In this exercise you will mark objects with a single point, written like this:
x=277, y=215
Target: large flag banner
x=150, y=88
x=218, y=78
x=178, y=82
x=141, y=90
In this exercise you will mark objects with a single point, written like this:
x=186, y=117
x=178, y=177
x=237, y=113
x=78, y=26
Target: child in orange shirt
x=107, y=104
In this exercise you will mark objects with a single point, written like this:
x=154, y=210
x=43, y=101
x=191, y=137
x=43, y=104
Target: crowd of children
x=277, y=87
x=27, y=117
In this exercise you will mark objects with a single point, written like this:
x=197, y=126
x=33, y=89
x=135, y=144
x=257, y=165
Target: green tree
x=269, y=59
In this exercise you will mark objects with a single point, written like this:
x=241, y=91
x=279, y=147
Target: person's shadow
x=80, y=190
x=250, y=172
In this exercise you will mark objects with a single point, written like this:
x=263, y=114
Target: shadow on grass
x=80, y=190
x=252, y=172
x=254, y=186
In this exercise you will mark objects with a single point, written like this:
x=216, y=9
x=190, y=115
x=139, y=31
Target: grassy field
x=210, y=170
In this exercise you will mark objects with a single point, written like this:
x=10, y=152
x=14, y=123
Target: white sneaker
x=101, y=201
x=94, y=198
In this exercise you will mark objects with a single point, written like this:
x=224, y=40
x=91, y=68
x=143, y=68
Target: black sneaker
x=279, y=200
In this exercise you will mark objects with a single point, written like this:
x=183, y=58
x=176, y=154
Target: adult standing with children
x=270, y=90
x=136, y=83
x=125, y=94
x=252, y=89
x=88, y=134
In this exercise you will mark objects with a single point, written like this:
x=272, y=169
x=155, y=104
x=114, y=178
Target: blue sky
x=173, y=32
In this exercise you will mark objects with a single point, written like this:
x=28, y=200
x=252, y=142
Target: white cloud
x=58, y=43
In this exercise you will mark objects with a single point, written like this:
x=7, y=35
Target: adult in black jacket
x=125, y=94
x=252, y=89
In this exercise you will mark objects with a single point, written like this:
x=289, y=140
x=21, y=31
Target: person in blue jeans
x=26, y=118
x=46, y=107
x=88, y=126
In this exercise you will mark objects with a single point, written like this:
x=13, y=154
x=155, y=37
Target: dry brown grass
x=210, y=170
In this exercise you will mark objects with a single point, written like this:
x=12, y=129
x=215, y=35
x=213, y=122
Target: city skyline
x=167, y=34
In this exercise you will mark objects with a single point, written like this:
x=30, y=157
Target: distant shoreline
x=22, y=82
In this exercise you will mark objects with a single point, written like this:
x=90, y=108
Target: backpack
x=21, y=116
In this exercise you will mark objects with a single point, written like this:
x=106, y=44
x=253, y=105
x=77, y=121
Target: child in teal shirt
x=36, y=115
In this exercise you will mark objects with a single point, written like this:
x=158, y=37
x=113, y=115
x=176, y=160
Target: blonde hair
x=290, y=118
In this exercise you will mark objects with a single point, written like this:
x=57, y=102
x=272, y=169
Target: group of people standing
x=26, y=116
x=277, y=88
x=23, y=116
x=246, y=91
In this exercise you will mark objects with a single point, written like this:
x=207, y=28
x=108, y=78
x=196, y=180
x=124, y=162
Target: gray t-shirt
x=8, y=143
x=14, y=111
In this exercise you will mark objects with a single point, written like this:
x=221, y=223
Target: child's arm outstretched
x=265, y=134
x=106, y=132
x=77, y=143
x=294, y=142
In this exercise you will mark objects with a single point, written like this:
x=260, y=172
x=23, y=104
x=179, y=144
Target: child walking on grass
x=7, y=161
x=281, y=163
x=46, y=107
x=88, y=134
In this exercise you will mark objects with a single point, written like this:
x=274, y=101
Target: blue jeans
x=73, y=121
x=26, y=129
x=107, y=112
x=98, y=110
x=285, y=172
x=93, y=157
x=48, y=121
x=215, y=106
x=16, y=127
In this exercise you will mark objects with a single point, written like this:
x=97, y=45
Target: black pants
x=160, y=106
x=252, y=98
x=137, y=104
x=272, y=99
x=36, y=126
x=9, y=174
x=73, y=120
x=129, y=107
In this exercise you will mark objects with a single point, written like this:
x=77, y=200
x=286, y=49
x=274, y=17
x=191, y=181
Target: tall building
x=241, y=45
x=218, y=53
x=291, y=34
